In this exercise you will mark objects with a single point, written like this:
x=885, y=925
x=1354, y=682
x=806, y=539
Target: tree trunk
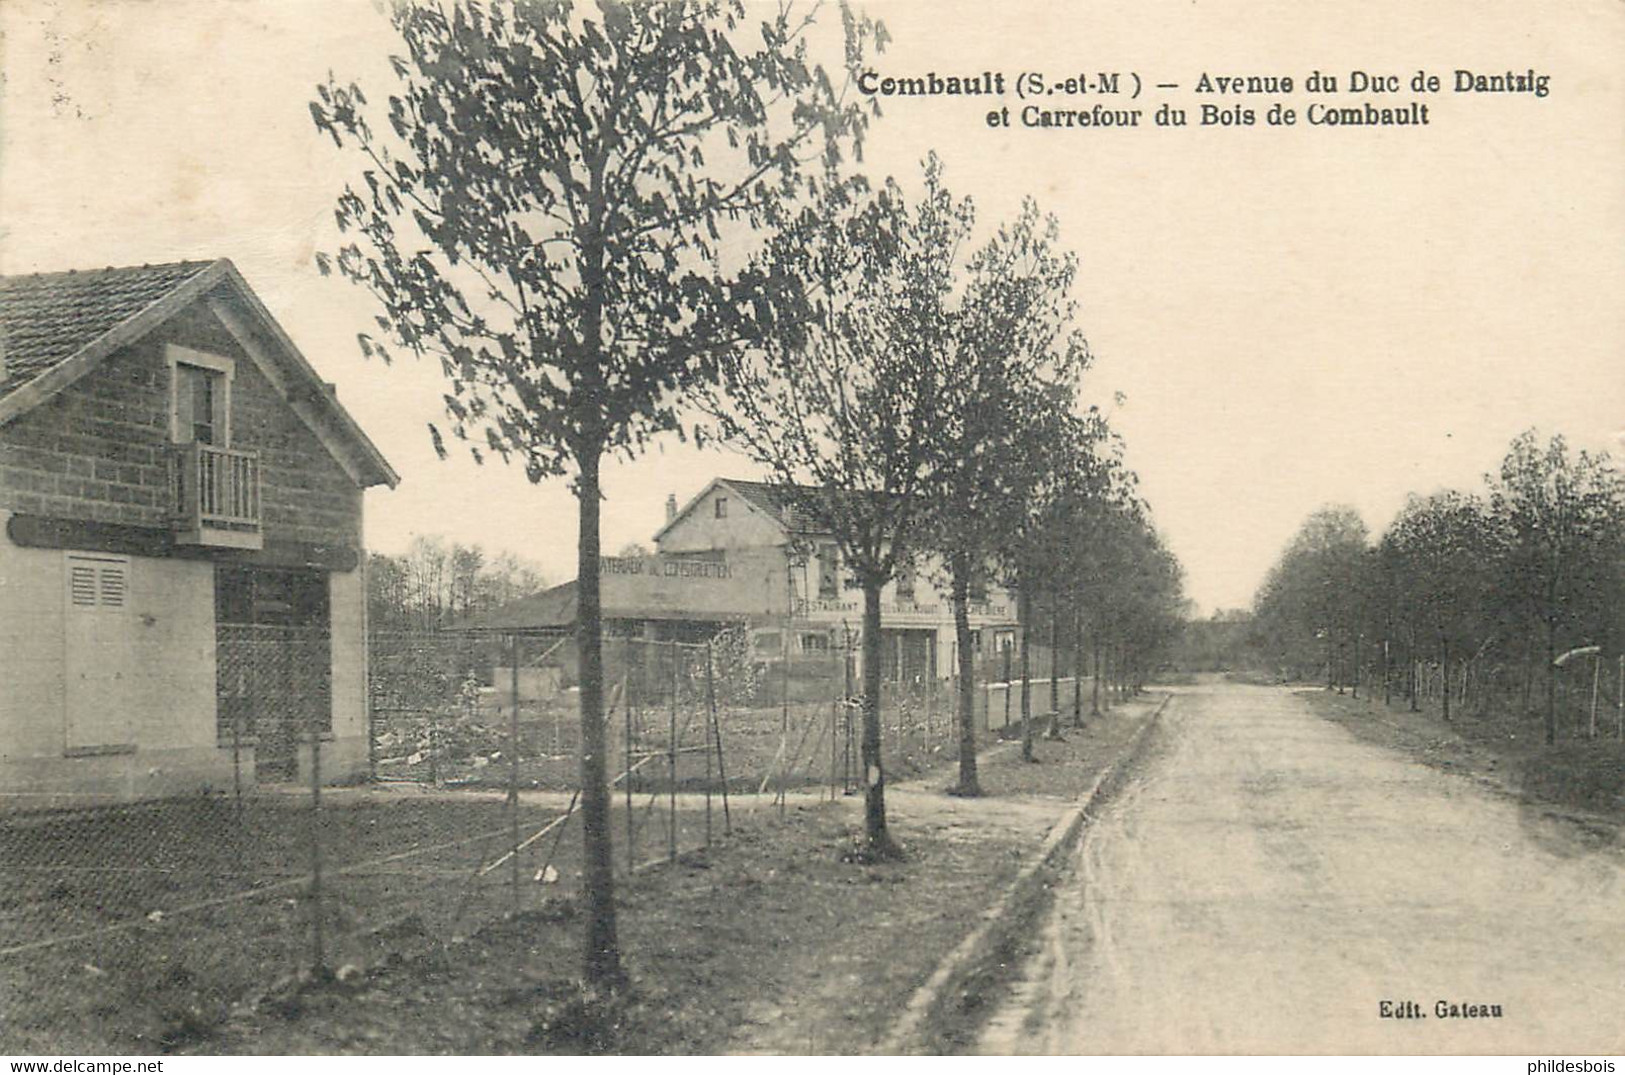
x=603, y=954
x=1077, y=670
x=1387, y=686
x=968, y=783
x=1528, y=670
x=1094, y=685
x=874, y=773
x=1410, y=662
x=1026, y=679
x=1551, y=681
x=1054, y=731
x=1331, y=660
x=1444, y=660
x=1354, y=673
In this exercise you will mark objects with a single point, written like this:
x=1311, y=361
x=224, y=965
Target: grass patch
x=1497, y=747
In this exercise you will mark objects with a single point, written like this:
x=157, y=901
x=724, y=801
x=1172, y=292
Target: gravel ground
x=1273, y=884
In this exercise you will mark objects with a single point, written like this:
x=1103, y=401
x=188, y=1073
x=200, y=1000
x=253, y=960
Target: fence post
x=846, y=712
x=1619, y=685
x=930, y=693
x=1007, y=687
x=626, y=772
x=317, y=939
x=987, y=699
x=784, y=716
x=1596, y=680
x=237, y=766
x=434, y=747
x=707, y=749
x=834, y=723
x=671, y=762
x=716, y=728
x=513, y=768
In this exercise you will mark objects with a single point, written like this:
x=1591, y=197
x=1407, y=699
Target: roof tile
x=46, y=318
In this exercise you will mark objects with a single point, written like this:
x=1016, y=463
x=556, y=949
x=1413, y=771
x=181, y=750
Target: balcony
x=217, y=497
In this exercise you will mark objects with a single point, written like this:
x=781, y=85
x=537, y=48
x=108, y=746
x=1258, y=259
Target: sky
x=1293, y=316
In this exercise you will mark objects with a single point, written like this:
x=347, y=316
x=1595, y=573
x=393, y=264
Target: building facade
x=181, y=594
x=818, y=605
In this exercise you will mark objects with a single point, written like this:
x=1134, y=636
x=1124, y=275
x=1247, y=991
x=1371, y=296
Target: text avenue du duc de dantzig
x=1124, y=100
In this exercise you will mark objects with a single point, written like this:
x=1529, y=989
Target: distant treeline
x=435, y=583
x=1468, y=596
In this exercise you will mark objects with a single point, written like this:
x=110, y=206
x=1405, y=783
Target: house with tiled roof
x=181, y=601
x=734, y=519
x=745, y=554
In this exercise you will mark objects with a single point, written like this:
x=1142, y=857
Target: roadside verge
x=944, y=1014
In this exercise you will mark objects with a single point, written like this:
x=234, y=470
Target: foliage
x=434, y=584
x=548, y=221
x=1309, y=597
x=1486, y=588
x=845, y=414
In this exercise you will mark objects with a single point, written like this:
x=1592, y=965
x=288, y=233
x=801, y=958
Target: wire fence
x=1588, y=692
x=154, y=926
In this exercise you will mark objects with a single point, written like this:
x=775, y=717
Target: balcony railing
x=217, y=497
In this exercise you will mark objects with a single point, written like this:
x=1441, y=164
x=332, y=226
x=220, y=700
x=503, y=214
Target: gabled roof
x=773, y=499
x=57, y=327
x=48, y=317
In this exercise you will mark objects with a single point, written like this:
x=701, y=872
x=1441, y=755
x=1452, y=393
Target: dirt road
x=1271, y=884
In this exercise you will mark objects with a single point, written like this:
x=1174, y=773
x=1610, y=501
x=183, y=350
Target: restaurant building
x=739, y=554
x=818, y=605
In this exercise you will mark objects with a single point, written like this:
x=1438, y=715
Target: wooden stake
x=513, y=766
x=671, y=763
x=716, y=729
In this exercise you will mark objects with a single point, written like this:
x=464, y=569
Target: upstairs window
x=905, y=581
x=977, y=593
x=829, y=570
x=200, y=402
x=722, y=507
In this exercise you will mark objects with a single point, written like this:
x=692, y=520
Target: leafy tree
x=846, y=416
x=1058, y=552
x=507, y=577
x=1440, y=552
x=1142, y=606
x=1039, y=482
x=1304, y=603
x=1563, y=515
x=547, y=220
x=1011, y=338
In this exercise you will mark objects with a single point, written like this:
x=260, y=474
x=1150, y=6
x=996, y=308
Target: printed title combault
x=1442, y=1009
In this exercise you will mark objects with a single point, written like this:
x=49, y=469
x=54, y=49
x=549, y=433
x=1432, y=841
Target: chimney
x=671, y=506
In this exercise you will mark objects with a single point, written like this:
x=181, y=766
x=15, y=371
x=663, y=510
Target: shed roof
x=555, y=610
